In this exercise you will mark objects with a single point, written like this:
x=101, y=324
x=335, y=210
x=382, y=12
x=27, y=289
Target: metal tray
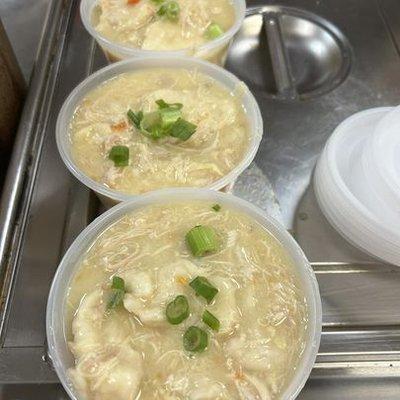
x=43, y=207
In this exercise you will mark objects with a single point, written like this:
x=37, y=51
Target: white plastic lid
x=382, y=155
x=349, y=189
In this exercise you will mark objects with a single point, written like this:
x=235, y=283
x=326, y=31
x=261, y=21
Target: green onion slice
x=118, y=283
x=118, y=292
x=202, y=240
x=211, y=320
x=169, y=116
x=167, y=120
x=170, y=10
x=120, y=155
x=116, y=299
x=151, y=125
x=182, y=129
x=203, y=288
x=177, y=310
x=213, y=31
x=216, y=207
x=135, y=118
x=195, y=339
x=163, y=104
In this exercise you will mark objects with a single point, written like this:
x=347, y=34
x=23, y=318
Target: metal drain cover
x=289, y=54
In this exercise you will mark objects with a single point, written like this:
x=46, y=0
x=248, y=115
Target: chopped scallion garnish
x=118, y=292
x=169, y=116
x=166, y=121
x=202, y=240
x=216, y=207
x=135, y=118
x=162, y=104
x=211, y=320
x=195, y=339
x=118, y=283
x=170, y=10
x=213, y=31
x=177, y=310
x=203, y=288
x=120, y=155
x=182, y=129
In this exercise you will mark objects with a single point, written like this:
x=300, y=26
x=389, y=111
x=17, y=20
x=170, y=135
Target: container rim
x=86, y=10
x=217, y=73
x=84, y=240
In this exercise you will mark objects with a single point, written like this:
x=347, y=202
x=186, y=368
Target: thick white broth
x=133, y=352
x=138, y=25
x=100, y=122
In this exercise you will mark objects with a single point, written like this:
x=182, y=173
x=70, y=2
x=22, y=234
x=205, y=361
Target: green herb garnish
x=166, y=121
x=170, y=10
x=120, y=155
x=162, y=104
x=216, y=207
x=202, y=240
x=203, y=288
x=118, y=292
x=177, y=310
x=195, y=339
x=182, y=129
x=211, y=320
x=213, y=31
x=135, y=118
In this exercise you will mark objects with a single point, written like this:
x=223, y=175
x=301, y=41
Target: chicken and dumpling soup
x=185, y=301
x=159, y=128
x=162, y=24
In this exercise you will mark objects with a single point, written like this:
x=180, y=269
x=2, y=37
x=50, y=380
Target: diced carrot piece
x=133, y=2
x=182, y=280
x=120, y=126
x=239, y=374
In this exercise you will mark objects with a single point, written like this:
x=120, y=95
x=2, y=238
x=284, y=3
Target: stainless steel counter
x=44, y=208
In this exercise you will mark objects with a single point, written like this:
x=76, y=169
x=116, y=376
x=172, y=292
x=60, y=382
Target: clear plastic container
x=59, y=353
x=109, y=196
x=349, y=195
x=214, y=51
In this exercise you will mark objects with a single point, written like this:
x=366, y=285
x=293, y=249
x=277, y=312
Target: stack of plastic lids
x=357, y=181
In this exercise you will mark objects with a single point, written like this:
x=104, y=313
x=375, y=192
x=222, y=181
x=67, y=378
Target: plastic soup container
x=214, y=51
x=109, y=196
x=55, y=319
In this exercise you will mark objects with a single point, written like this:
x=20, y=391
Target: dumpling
x=163, y=35
x=253, y=351
x=196, y=387
x=147, y=296
x=251, y=388
x=224, y=307
x=87, y=324
x=112, y=372
x=106, y=364
x=208, y=390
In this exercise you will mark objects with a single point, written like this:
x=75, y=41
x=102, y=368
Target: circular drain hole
x=289, y=54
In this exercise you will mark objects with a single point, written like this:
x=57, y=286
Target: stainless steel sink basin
x=289, y=53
